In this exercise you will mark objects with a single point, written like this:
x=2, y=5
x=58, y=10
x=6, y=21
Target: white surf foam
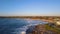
x=23, y=29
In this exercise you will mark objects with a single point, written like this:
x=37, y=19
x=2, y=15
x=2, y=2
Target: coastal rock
x=40, y=29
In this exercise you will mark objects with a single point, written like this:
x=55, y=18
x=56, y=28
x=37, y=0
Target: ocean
x=17, y=25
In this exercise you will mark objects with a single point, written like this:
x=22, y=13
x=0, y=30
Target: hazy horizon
x=29, y=7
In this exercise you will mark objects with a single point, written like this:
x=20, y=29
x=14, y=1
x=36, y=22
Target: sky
x=29, y=7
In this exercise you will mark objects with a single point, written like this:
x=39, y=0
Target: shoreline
x=43, y=18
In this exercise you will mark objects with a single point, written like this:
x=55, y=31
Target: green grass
x=52, y=28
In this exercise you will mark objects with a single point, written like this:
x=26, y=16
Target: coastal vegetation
x=44, y=29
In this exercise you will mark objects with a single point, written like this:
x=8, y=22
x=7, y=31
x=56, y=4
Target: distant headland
x=44, y=18
x=29, y=16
